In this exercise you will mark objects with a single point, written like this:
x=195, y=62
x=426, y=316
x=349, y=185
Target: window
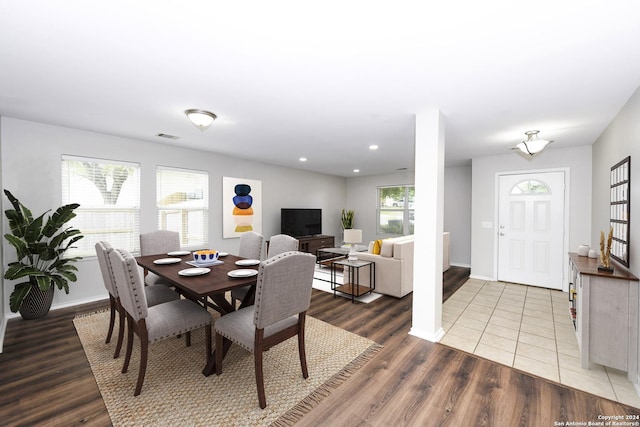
x=109, y=196
x=183, y=204
x=530, y=186
x=395, y=210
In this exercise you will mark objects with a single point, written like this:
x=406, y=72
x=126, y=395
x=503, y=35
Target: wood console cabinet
x=606, y=307
x=311, y=244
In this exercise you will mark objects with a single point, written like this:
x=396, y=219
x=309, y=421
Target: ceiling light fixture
x=533, y=145
x=202, y=119
x=373, y=147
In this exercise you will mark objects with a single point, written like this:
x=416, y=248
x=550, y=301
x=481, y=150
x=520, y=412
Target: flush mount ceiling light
x=533, y=145
x=202, y=119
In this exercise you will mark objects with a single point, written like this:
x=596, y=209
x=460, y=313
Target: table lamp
x=352, y=236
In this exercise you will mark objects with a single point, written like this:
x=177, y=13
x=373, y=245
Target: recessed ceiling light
x=303, y=159
x=356, y=170
x=373, y=147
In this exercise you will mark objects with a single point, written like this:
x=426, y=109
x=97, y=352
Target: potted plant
x=347, y=219
x=40, y=245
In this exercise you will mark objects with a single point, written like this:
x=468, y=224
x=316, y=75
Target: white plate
x=223, y=254
x=242, y=273
x=178, y=253
x=248, y=262
x=167, y=261
x=205, y=264
x=194, y=271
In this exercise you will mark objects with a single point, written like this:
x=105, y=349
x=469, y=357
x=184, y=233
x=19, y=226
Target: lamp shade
x=533, y=145
x=200, y=118
x=352, y=235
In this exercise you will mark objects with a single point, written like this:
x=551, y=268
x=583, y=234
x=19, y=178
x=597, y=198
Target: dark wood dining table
x=207, y=289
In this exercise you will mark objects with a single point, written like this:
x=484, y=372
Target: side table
x=351, y=285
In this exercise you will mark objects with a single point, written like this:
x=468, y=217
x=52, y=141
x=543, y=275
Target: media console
x=311, y=244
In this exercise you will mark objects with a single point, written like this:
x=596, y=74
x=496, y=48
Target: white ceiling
x=322, y=80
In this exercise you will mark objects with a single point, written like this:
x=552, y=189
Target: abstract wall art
x=241, y=206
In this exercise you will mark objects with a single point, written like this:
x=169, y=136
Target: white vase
x=583, y=250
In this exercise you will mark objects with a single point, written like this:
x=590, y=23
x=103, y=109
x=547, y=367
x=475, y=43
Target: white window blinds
x=183, y=204
x=109, y=196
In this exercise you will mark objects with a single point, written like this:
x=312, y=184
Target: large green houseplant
x=40, y=245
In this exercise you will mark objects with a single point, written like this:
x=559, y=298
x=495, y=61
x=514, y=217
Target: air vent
x=166, y=135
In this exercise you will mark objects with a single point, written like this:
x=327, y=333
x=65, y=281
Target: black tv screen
x=301, y=222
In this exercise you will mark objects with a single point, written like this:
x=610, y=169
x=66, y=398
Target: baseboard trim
x=477, y=277
x=455, y=264
x=435, y=337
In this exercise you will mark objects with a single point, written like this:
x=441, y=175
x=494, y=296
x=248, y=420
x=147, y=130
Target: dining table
x=208, y=288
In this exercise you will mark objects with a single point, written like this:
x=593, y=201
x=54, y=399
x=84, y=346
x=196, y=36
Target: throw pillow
x=377, y=247
x=387, y=248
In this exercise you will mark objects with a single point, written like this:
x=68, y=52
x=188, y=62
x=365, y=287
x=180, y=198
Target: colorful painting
x=241, y=206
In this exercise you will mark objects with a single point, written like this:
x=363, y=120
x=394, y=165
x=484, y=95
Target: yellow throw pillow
x=377, y=247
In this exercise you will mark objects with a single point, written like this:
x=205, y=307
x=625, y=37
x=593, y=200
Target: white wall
x=619, y=140
x=483, y=203
x=457, y=213
x=31, y=158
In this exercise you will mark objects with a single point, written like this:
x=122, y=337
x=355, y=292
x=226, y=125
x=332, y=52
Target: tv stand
x=311, y=244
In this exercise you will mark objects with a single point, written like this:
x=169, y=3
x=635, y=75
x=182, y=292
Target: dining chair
x=281, y=243
x=250, y=248
x=283, y=296
x=158, y=242
x=155, y=294
x=156, y=323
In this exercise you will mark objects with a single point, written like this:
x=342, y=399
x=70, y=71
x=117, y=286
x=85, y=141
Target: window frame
x=162, y=211
x=127, y=237
x=391, y=207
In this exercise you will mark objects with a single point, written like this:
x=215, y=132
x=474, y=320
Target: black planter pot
x=37, y=303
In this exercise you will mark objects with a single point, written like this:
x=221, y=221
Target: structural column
x=429, y=213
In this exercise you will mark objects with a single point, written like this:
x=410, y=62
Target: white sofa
x=394, y=265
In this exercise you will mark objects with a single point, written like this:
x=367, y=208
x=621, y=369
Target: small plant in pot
x=40, y=245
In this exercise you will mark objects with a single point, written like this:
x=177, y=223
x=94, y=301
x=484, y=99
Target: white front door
x=531, y=229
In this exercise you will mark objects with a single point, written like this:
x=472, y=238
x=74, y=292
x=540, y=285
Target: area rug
x=176, y=393
x=322, y=282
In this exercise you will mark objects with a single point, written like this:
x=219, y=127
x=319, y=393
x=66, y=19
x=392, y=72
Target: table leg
x=211, y=364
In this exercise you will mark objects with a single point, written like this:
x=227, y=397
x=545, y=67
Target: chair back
x=250, y=245
x=103, y=249
x=159, y=242
x=283, y=287
x=129, y=283
x=281, y=243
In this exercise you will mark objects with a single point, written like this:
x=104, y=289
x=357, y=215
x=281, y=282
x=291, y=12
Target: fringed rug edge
x=303, y=407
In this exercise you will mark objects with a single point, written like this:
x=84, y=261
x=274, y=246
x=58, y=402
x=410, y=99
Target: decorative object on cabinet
x=620, y=210
x=583, y=250
x=605, y=254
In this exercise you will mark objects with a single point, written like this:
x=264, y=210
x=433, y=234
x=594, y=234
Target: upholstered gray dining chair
x=250, y=248
x=281, y=243
x=155, y=294
x=283, y=296
x=156, y=323
x=158, y=242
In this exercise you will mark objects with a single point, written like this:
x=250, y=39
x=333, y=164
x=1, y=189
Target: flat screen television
x=300, y=222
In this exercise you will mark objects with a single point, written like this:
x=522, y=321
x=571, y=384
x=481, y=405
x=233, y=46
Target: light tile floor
x=527, y=328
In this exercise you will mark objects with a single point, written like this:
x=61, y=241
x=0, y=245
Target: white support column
x=429, y=212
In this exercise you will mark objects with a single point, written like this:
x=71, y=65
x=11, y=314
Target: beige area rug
x=176, y=393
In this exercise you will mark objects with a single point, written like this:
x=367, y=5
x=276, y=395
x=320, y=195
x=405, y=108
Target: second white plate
x=194, y=271
x=167, y=261
x=242, y=273
x=248, y=262
x=178, y=253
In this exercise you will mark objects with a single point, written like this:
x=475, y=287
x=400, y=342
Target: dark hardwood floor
x=45, y=378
